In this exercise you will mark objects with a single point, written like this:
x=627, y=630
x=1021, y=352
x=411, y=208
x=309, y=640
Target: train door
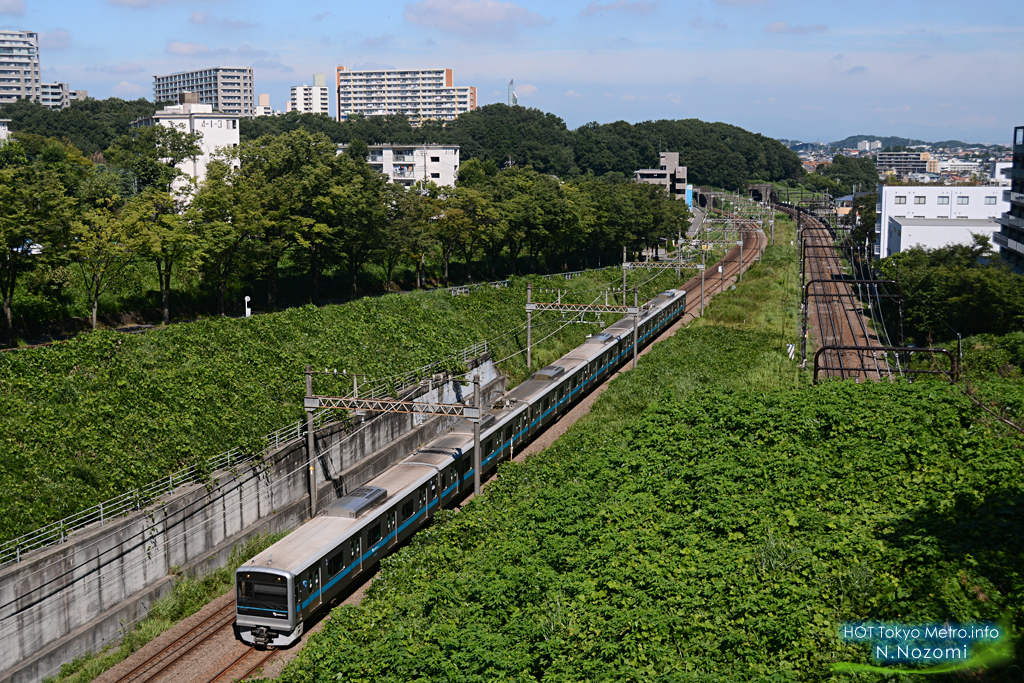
x=356, y=551
x=315, y=577
x=392, y=527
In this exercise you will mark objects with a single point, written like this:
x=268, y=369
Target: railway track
x=833, y=311
x=158, y=665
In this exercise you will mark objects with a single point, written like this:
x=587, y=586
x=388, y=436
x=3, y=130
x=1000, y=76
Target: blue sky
x=811, y=70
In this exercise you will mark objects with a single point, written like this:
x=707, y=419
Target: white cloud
x=573, y=95
x=784, y=27
x=58, y=39
x=122, y=68
x=179, y=48
x=526, y=89
x=378, y=42
x=126, y=89
x=473, y=18
x=208, y=18
x=634, y=6
x=15, y=7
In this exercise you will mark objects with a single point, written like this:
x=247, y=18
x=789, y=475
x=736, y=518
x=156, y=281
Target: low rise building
x=1010, y=238
x=905, y=163
x=311, y=99
x=406, y=164
x=997, y=173
x=670, y=175
x=933, y=203
x=79, y=95
x=4, y=132
x=219, y=130
x=55, y=96
x=933, y=233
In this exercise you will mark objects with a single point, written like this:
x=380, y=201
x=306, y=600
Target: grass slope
x=107, y=412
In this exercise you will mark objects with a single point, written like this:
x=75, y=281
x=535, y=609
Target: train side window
x=336, y=563
x=375, y=534
x=433, y=489
x=423, y=497
x=406, y=510
x=489, y=446
x=444, y=480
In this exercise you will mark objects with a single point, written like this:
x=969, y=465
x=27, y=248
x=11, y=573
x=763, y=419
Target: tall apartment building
x=905, y=163
x=311, y=99
x=228, y=89
x=419, y=94
x=55, y=95
x=1010, y=238
x=19, y=66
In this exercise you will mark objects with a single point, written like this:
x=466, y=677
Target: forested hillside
x=90, y=125
x=715, y=153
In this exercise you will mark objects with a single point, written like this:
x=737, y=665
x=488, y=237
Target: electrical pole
x=529, y=325
x=476, y=435
x=636, y=322
x=623, y=275
x=310, y=442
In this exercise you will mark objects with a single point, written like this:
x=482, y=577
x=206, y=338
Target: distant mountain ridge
x=891, y=141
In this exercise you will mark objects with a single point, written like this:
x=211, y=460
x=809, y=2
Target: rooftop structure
x=670, y=175
x=228, y=89
x=1010, y=238
x=419, y=94
x=933, y=233
x=407, y=164
x=932, y=202
x=19, y=66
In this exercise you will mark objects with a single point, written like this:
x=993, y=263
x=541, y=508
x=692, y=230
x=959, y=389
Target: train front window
x=265, y=592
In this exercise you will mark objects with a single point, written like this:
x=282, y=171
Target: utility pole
x=636, y=322
x=623, y=275
x=310, y=442
x=741, y=261
x=529, y=324
x=476, y=436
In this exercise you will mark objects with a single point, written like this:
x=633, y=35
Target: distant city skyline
x=786, y=69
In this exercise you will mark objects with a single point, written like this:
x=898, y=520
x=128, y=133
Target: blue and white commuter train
x=279, y=589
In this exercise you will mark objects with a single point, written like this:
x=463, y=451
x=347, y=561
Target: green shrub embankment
x=714, y=518
x=107, y=412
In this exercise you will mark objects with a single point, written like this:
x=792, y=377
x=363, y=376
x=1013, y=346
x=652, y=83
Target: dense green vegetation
x=106, y=412
x=715, y=154
x=285, y=220
x=965, y=289
x=843, y=175
x=189, y=595
x=714, y=518
x=90, y=125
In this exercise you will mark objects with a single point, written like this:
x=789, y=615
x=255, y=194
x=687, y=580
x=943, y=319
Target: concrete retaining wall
x=67, y=600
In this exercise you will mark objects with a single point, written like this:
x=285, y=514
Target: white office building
x=997, y=173
x=19, y=66
x=935, y=204
x=228, y=89
x=406, y=165
x=219, y=130
x=55, y=95
x=959, y=167
x=419, y=94
x=311, y=99
x=868, y=146
x=4, y=132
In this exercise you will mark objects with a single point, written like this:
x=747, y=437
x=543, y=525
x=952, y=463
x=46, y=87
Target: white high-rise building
x=19, y=66
x=419, y=94
x=219, y=130
x=311, y=99
x=227, y=88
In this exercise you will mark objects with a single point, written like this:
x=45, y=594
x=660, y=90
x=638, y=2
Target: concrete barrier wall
x=67, y=600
